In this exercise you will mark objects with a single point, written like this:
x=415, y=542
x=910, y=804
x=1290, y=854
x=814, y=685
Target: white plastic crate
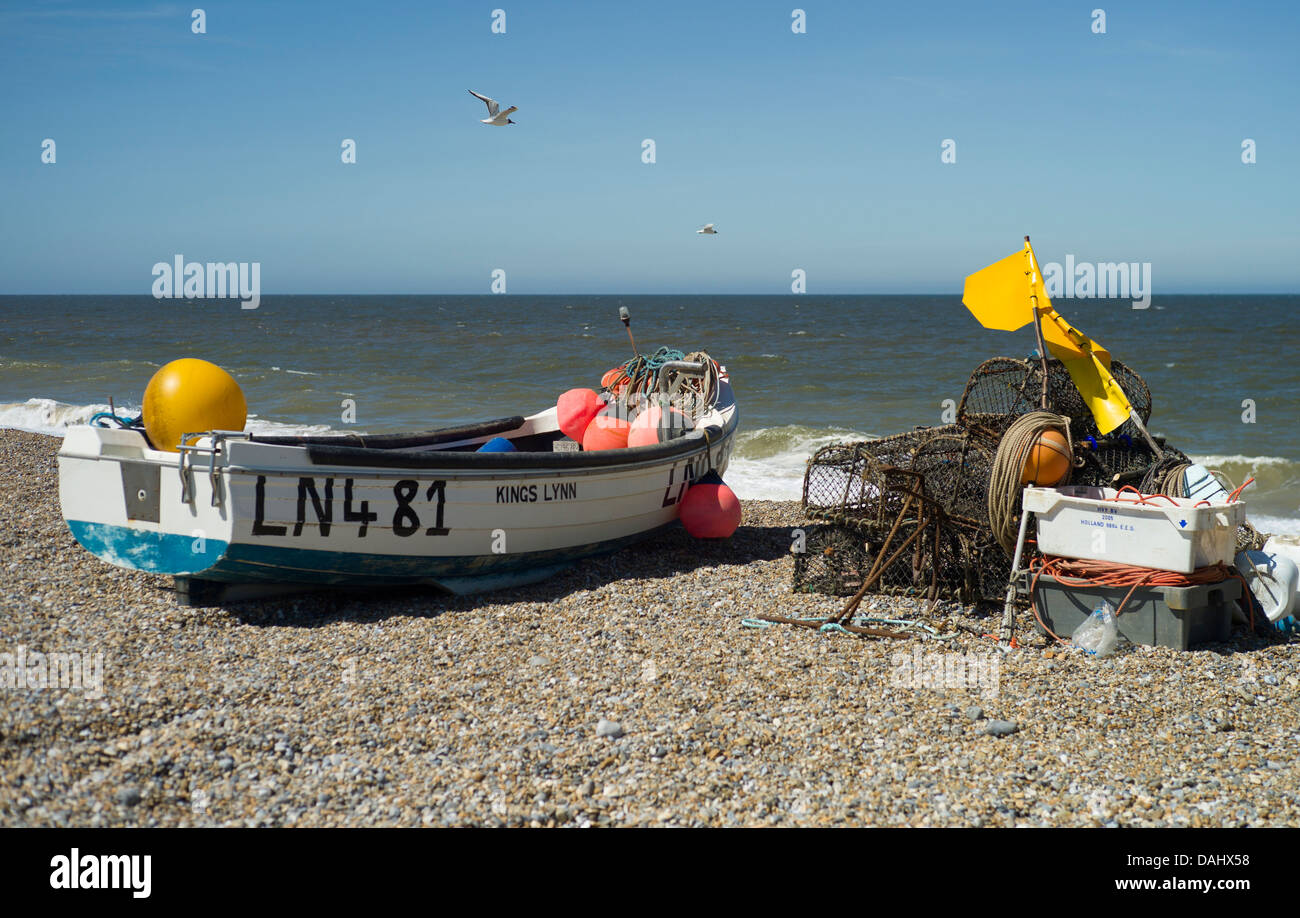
x=1167, y=533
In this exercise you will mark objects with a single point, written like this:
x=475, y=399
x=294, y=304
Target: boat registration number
x=416, y=503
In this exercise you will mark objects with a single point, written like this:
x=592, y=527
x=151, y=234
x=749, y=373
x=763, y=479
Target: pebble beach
x=627, y=691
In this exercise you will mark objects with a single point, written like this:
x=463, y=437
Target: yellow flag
x=1008, y=294
x=998, y=294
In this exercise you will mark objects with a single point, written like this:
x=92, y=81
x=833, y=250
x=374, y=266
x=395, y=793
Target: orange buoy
x=1049, y=460
x=607, y=430
x=575, y=409
x=710, y=509
x=657, y=425
x=611, y=377
x=191, y=396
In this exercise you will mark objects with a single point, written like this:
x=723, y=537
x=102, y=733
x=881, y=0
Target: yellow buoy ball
x=190, y=395
x=1049, y=460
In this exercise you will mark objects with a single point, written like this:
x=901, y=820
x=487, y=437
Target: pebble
x=411, y=707
x=974, y=712
x=1000, y=728
x=611, y=728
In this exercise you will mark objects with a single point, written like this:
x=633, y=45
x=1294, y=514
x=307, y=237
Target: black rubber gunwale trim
x=435, y=459
x=401, y=440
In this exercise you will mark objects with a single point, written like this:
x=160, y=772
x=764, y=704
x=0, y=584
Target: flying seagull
x=496, y=117
x=708, y=230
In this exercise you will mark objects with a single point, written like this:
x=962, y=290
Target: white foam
x=48, y=416
x=769, y=463
x=1286, y=527
x=1251, y=461
x=256, y=425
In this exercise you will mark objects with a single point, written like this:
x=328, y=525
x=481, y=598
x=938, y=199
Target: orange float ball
x=607, y=430
x=1049, y=460
x=657, y=425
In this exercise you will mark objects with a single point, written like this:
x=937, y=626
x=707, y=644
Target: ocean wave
x=769, y=463
x=48, y=416
x=256, y=425
x=1251, y=461
x=1287, y=528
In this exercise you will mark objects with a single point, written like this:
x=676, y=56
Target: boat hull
x=275, y=513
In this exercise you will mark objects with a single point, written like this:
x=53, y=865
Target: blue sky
x=818, y=151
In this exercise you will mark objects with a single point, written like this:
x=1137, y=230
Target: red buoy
x=710, y=509
x=575, y=409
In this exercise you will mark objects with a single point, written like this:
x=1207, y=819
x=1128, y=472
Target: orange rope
x=1141, y=498
x=1081, y=573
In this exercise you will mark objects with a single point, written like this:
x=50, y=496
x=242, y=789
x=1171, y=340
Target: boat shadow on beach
x=666, y=557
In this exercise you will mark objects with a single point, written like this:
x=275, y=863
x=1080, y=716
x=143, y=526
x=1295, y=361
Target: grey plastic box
x=1174, y=617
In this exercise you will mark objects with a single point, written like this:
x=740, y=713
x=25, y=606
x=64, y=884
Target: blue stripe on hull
x=143, y=550
x=168, y=553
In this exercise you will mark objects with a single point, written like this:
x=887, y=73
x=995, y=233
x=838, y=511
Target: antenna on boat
x=627, y=323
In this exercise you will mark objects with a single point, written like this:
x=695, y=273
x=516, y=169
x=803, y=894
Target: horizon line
x=263, y=295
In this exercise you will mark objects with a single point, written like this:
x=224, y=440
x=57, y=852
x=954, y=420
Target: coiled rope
x=1009, y=462
x=1168, y=477
x=110, y=416
x=639, y=376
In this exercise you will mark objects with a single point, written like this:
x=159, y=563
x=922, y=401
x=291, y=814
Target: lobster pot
x=943, y=562
x=1112, y=462
x=989, y=568
x=839, y=556
x=865, y=483
x=834, y=561
x=955, y=470
x=1003, y=388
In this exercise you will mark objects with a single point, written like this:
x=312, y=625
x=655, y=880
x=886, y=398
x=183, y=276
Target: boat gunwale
x=701, y=440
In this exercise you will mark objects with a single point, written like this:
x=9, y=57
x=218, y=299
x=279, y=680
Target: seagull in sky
x=496, y=117
x=707, y=230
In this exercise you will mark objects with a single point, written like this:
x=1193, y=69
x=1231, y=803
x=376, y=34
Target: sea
x=806, y=370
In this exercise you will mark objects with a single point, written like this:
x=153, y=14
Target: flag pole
x=1110, y=380
x=1038, y=322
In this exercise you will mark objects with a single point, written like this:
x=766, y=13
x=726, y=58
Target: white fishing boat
x=232, y=510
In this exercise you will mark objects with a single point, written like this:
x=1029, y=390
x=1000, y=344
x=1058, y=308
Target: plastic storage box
x=1174, y=617
x=1171, y=534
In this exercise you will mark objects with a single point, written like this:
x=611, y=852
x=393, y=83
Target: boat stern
x=122, y=502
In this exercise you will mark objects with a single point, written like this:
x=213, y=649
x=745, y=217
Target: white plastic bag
x=1099, y=633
